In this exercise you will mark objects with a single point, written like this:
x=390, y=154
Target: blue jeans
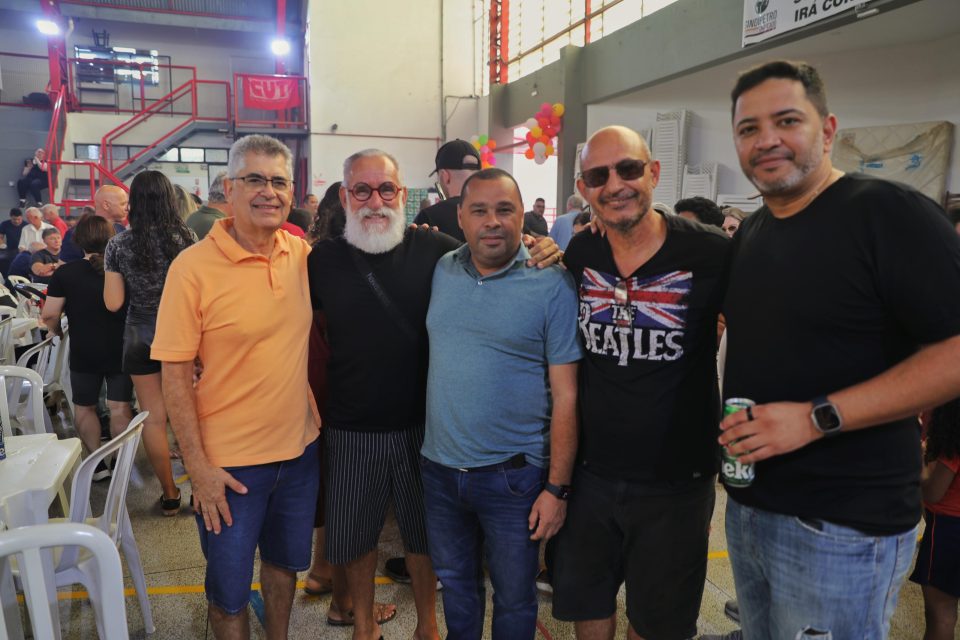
x=798, y=578
x=276, y=515
x=470, y=514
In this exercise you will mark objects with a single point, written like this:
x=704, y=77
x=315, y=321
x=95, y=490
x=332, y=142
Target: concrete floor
x=174, y=568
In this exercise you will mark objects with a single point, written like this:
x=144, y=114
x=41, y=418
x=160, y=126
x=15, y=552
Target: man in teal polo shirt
x=501, y=427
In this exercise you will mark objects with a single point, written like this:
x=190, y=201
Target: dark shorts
x=938, y=558
x=653, y=536
x=275, y=515
x=365, y=472
x=137, y=339
x=86, y=387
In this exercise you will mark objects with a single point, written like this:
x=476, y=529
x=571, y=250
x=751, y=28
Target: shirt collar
x=220, y=234
x=463, y=256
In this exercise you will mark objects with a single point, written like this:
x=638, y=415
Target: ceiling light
x=280, y=47
x=48, y=27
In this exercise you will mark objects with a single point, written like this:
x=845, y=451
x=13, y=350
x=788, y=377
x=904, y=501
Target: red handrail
x=53, y=147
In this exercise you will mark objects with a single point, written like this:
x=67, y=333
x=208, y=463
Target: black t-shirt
x=96, y=335
x=649, y=405
x=823, y=300
x=11, y=233
x=376, y=374
x=443, y=216
x=42, y=257
x=300, y=217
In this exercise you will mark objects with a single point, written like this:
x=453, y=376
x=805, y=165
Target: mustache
x=773, y=155
x=491, y=234
x=367, y=212
x=622, y=194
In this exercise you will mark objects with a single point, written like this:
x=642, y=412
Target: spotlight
x=280, y=47
x=48, y=27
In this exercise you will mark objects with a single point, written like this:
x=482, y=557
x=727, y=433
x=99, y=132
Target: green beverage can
x=735, y=473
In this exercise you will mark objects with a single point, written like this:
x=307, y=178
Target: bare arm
x=114, y=291
x=41, y=269
x=549, y=510
x=928, y=378
x=50, y=316
x=209, y=482
x=934, y=481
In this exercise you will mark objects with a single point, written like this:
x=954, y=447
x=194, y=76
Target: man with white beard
x=373, y=285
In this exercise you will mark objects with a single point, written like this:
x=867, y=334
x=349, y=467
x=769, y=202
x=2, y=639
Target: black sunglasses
x=627, y=169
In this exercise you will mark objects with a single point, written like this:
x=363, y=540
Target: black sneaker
x=396, y=570
x=102, y=472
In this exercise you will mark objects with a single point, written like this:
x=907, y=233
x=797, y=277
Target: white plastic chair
x=13, y=411
x=59, y=377
x=6, y=339
x=41, y=354
x=74, y=567
x=105, y=576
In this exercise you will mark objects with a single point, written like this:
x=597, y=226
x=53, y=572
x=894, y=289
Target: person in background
x=217, y=207
x=33, y=178
x=330, y=218
x=136, y=263
x=700, y=209
x=51, y=215
x=562, y=229
x=45, y=261
x=938, y=561
x=581, y=221
x=31, y=237
x=732, y=217
x=185, y=203
x=110, y=203
x=96, y=336
x=11, y=230
x=533, y=221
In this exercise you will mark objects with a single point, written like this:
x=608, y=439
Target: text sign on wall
x=763, y=19
x=271, y=93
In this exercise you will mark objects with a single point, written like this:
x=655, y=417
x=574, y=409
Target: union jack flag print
x=659, y=302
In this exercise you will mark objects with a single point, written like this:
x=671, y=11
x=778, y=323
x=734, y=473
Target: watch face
x=827, y=418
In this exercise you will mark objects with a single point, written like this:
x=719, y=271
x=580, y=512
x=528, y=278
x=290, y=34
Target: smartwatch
x=826, y=417
x=561, y=492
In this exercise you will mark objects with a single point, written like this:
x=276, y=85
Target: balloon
x=540, y=159
x=530, y=137
x=549, y=132
x=483, y=139
x=539, y=148
x=492, y=144
x=484, y=150
x=546, y=106
x=476, y=144
x=474, y=140
x=537, y=132
x=530, y=123
x=493, y=161
x=554, y=120
x=528, y=154
x=549, y=149
x=558, y=109
x=545, y=140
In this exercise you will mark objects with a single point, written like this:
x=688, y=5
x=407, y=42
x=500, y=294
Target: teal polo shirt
x=491, y=340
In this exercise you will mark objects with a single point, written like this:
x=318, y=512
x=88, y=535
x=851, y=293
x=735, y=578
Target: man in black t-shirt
x=533, y=221
x=456, y=161
x=11, y=230
x=45, y=261
x=842, y=323
x=643, y=490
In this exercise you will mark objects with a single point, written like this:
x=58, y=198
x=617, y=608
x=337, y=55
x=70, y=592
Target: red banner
x=270, y=93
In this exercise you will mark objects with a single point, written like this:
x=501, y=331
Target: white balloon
x=531, y=123
x=540, y=159
x=474, y=140
x=539, y=148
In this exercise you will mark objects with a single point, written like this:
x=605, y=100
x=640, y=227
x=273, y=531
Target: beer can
x=735, y=473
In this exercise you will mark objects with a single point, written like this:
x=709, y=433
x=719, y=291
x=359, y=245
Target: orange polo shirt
x=248, y=318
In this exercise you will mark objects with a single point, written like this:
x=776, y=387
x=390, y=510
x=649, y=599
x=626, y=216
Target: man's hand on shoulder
x=776, y=428
x=543, y=251
x=209, y=485
x=547, y=516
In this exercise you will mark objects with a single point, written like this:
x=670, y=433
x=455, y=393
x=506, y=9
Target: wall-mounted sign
x=763, y=19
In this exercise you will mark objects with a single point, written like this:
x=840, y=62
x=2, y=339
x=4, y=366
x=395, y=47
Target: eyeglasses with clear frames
x=363, y=192
x=258, y=182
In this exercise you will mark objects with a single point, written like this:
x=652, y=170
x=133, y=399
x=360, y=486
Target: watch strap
x=561, y=492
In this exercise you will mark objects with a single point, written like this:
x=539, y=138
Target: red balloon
x=546, y=106
x=528, y=154
x=545, y=139
x=554, y=120
x=530, y=138
x=549, y=132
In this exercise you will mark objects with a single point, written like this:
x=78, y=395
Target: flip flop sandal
x=348, y=620
x=322, y=591
x=170, y=506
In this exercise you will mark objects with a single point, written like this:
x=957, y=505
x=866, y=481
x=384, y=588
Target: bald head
x=619, y=135
x=111, y=202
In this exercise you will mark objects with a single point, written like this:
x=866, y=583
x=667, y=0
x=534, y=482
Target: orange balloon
x=528, y=154
x=492, y=144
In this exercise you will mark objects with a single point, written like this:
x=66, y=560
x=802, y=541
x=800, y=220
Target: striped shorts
x=365, y=470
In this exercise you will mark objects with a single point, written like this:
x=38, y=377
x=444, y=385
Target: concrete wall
x=866, y=87
x=383, y=85
x=22, y=131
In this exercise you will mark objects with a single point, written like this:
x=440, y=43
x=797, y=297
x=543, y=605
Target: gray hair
x=216, y=189
x=575, y=202
x=368, y=153
x=27, y=214
x=50, y=207
x=259, y=145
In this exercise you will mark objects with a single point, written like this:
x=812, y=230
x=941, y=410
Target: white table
x=31, y=477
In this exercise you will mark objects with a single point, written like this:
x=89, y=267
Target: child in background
x=938, y=561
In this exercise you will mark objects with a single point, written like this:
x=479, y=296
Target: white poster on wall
x=763, y=19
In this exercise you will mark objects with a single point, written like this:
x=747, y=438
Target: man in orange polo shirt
x=240, y=302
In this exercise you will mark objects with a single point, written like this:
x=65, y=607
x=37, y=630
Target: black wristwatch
x=561, y=492
x=826, y=417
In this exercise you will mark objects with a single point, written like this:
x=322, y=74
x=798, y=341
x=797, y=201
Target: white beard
x=375, y=241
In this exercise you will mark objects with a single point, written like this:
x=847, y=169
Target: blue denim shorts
x=276, y=515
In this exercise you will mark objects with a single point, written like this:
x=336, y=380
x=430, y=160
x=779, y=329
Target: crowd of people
x=504, y=385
